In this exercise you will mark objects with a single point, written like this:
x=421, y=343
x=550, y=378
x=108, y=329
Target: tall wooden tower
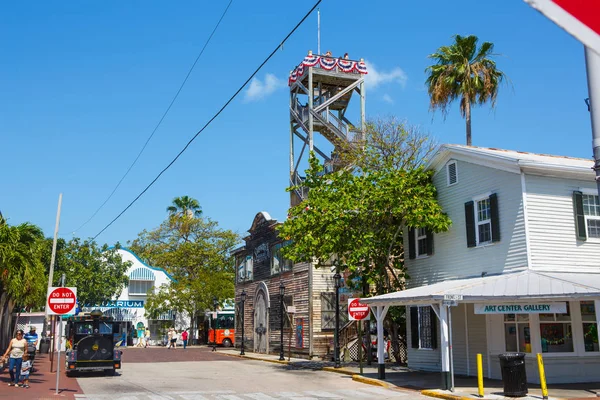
x=321, y=89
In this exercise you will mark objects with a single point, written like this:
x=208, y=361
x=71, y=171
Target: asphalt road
x=165, y=374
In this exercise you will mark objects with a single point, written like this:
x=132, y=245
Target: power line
x=161, y=118
x=214, y=117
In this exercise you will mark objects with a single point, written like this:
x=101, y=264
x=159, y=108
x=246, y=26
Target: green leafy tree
x=357, y=214
x=196, y=253
x=463, y=71
x=22, y=279
x=98, y=272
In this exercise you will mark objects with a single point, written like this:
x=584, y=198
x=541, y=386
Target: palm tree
x=185, y=205
x=466, y=72
x=22, y=277
x=182, y=214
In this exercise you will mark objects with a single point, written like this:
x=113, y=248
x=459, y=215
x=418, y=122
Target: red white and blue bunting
x=328, y=64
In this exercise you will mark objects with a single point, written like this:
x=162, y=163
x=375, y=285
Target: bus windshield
x=225, y=321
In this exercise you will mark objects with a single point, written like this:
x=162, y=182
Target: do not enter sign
x=61, y=301
x=357, y=311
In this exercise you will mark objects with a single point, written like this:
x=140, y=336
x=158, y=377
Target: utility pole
x=50, y=276
x=592, y=64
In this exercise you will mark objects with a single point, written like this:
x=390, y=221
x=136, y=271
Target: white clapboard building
x=521, y=261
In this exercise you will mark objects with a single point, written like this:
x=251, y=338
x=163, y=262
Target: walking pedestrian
x=170, y=338
x=184, y=337
x=14, y=352
x=32, y=341
x=174, y=338
x=147, y=337
x=25, y=369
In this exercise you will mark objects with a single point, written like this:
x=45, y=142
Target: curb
x=433, y=393
x=339, y=370
x=371, y=381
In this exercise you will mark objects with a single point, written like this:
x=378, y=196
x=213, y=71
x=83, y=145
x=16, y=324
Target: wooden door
x=261, y=330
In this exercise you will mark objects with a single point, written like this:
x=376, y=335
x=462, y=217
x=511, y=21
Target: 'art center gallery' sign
x=521, y=308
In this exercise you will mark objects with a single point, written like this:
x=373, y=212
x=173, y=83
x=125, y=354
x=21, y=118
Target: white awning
x=142, y=274
x=509, y=287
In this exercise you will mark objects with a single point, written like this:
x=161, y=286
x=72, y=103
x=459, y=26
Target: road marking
x=193, y=396
x=322, y=394
x=259, y=396
x=378, y=390
x=229, y=397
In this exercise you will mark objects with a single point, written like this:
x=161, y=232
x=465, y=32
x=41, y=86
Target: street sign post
x=357, y=311
x=580, y=19
x=61, y=301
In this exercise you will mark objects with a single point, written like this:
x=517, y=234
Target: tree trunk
x=468, y=119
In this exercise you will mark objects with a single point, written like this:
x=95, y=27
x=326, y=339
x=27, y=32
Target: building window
x=517, y=334
x=482, y=220
x=420, y=243
x=278, y=262
x=451, y=173
x=587, y=215
x=590, y=326
x=556, y=332
x=423, y=328
x=245, y=269
x=140, y=288
x=328, y=311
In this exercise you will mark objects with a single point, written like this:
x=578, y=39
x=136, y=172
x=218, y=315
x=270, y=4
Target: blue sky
x=84, y=83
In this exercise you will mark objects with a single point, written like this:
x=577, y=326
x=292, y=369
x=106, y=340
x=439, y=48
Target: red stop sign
x=61, y=300
x=357, y=310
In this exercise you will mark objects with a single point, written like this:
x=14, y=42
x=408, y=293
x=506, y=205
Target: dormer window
x=451, y=173
x=141, y=281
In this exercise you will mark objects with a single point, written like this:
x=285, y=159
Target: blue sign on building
x=119, y=304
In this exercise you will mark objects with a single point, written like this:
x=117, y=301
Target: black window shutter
x=579, y=216
x=495, y=218
x=434, y=321
x=429, y=242
x=470, y=223
x=412, y=249
x=414, y=327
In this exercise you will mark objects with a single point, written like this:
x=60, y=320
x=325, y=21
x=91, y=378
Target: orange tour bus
x=220, y=326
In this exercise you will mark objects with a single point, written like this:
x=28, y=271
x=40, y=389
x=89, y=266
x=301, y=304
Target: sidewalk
x=427, y=383
x=42, y=382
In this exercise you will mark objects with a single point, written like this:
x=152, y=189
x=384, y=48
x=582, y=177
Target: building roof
x=513, y=161
x=509, y=287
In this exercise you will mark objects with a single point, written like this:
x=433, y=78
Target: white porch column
x=380, y=313
x=597, y=311
x=444, y=345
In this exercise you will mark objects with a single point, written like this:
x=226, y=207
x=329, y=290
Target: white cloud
x=260, y=89
x=388, y=99
x=375, y=78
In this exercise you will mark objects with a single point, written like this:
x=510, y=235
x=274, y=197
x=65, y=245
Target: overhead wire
x=280, y=45
x=161, y=118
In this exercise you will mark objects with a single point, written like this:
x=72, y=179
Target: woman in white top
x=16, y=349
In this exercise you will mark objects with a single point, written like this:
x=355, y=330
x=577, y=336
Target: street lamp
x=215, y=304
x=243, y=298
x=281, y=294
x=337, y=277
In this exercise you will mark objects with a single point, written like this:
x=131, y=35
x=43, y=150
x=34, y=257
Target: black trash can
x=514, y=376
x=45, y=345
